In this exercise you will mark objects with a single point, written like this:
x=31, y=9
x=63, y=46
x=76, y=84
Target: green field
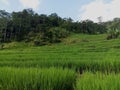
x=70, y=65
x=98, y=81
x=36, y=79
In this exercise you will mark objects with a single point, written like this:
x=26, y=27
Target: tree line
x=42, y=29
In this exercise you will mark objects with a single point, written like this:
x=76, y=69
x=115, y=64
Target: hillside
x=72, y=52
x=56, y=45
x=77, y=63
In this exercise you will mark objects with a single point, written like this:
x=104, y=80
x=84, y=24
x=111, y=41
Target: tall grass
x=36, y=79
x=98, y=81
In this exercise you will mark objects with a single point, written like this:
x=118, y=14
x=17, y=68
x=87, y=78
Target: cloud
x=97, y=8
x=34, y=4
x=6, y=2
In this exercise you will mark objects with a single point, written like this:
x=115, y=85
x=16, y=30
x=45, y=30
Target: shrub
x=55, y=35
x=113, y=34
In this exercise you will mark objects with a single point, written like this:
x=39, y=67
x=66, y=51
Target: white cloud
x=100, y=8
x=6, y=2
x=34, y=4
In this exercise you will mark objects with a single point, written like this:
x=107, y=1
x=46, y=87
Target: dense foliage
x=113, y=28
x=113, y=34
x=42, y=29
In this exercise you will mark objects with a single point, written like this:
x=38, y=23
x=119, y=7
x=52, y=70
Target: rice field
x=80, y=62
x=98, y=81
x=82, y=52
x=36, y=79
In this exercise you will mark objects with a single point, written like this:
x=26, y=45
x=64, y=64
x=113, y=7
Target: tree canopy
x=29, y=26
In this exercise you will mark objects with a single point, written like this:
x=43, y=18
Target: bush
x=52, y=35
x=113, y=34
x=38, y=40
x=55, y=35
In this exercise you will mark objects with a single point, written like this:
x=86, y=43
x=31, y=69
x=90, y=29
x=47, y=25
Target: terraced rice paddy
x=81, y=56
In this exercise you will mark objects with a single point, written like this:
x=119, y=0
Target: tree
x=4, y=19
x=41, y=29
x=100, y=19
x=56, y=34
x=113, y=34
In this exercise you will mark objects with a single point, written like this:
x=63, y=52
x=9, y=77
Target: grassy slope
x=81, y=51
x=84, y=52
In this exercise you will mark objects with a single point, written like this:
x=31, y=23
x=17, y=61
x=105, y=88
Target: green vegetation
x=36, y=79
x=81, y=52
x=98, y=81
x=32, y=57
x=25, y=67
x=113, y=34
x=42, y=29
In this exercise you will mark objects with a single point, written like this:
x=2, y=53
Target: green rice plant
x=98, y=54
x=98, y=81
x=36, y=79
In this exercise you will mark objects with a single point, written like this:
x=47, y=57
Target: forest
x=43, y=29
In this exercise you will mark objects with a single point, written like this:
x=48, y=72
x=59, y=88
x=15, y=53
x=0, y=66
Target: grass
x=98, y=81
x=24, y=67
x=36, y=79
x=86, y=52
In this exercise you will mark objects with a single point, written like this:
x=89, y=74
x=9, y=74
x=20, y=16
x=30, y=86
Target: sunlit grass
x=36, y=79
x=98, y=81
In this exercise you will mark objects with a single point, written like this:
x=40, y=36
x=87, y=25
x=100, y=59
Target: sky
x=76, y=9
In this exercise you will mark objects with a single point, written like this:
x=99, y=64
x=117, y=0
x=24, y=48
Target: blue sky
x=76, y=9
